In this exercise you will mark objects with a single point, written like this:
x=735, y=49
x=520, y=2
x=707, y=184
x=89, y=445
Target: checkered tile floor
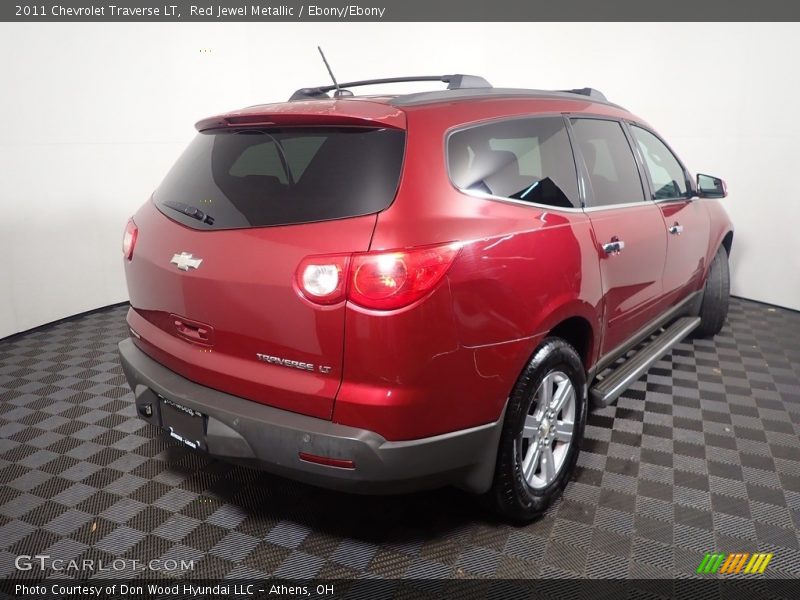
x=700, y=455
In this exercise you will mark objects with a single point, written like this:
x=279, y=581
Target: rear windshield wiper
x=190, y=211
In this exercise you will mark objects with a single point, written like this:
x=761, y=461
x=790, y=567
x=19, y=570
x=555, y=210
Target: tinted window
x=609, y=160
x=252, y=178
x=666, y=173
x=522, y=159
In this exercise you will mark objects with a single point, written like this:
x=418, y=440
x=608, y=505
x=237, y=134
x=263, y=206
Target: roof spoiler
x=375, y=118
x=457, y=81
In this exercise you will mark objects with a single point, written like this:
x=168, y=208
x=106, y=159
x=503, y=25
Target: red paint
x=448, y=358
x=631, y=280
x=243, y=290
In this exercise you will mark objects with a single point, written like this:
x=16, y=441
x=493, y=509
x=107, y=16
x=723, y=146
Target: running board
x=607, y=390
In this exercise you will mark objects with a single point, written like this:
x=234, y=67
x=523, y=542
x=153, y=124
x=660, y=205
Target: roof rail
x=457, y=81
x=587, y=91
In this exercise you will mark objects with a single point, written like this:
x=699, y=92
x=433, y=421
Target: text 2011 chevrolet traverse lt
x=388, y=293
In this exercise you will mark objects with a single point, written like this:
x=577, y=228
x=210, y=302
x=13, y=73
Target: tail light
x=323, y=279
x=375, y=280
x=129, y=239
x=390, y=280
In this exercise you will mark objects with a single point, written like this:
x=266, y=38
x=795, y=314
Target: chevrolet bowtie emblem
x=184, y=261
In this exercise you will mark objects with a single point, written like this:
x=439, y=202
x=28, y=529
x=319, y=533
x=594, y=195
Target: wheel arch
x=727, y=242
x=715, y=243
x=576, y=322
x=578, y=333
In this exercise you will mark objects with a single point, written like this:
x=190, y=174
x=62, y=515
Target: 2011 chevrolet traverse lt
x=389, y=293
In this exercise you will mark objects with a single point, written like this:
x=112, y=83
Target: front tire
x=543, y=428
x=716, y=296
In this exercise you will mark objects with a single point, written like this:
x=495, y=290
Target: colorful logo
x=730, y=564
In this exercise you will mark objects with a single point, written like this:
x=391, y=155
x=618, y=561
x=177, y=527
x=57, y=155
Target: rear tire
x=716, y=296
x=542, y=432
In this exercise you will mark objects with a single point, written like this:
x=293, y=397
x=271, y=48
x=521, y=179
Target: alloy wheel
x=548, y=430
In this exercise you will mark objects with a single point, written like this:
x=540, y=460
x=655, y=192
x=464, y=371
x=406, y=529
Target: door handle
x=676, y=229
x=614, y=247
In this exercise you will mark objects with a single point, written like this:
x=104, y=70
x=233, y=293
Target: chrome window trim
x=492, y=197
x=679, y=199
x=549, y=208
x=617, y=206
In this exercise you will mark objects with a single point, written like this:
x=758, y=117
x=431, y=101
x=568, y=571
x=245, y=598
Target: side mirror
x=709, y=186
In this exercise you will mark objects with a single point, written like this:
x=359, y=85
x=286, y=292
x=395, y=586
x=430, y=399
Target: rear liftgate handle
x=196, y=333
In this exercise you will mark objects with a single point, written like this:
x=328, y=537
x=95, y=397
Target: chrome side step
x=607, y=390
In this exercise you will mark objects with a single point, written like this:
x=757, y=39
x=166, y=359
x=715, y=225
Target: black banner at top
x=397, y=10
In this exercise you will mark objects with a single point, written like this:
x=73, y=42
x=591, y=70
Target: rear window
x=256, y=178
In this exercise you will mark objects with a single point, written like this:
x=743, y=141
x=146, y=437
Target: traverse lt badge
x=294, y=364
x=184, y=261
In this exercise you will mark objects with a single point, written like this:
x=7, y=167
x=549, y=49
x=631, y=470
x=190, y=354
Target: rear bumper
x=272, y=439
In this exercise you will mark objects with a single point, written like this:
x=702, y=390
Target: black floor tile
x=716, y=469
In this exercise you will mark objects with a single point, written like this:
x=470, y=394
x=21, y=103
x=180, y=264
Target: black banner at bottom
x=380, y=589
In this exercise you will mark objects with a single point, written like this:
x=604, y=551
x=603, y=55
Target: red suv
x=388, y=293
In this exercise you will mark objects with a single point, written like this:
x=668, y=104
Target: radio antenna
x=327, y=66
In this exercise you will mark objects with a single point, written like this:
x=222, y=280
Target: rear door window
x=610, y=162
x=521, y=159
x=254, y=178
